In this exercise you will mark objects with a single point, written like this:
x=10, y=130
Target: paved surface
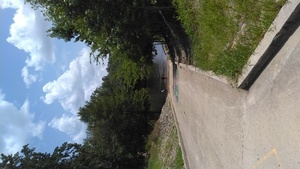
x=283, y=26
x=209, y=115
x=225, y=127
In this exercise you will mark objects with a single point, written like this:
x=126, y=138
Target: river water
x=158, y=93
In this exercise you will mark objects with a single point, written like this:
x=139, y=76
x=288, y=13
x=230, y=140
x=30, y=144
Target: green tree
x=116, y=113
x=129, y=25
x=66, y=156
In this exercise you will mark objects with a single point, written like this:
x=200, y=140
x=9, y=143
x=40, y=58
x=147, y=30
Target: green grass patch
x=154, y=161
x=179, y=163
x=163, y=143
x=153, y=148
x=224, y=34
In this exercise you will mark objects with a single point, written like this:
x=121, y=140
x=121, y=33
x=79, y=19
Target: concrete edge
x=272, y=33
x=209, y=74
x=186, y=162
x=181, y=144
x=255, y=59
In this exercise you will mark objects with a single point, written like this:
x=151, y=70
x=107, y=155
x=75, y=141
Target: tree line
x=117, y=112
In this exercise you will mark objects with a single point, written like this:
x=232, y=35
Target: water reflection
x=158, y=82
x=160, y=62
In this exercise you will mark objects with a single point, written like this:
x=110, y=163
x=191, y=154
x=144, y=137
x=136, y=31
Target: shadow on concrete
x=278, y=42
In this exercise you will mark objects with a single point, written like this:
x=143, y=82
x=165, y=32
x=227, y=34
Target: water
x=160, y=62
x=158, y=93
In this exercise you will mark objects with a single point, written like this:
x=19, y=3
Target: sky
x=43, y=82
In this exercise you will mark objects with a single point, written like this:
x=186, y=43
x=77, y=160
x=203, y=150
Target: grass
x=152, y=146
x=179, y=163
x=161, y=155
x=163, y=146
x=224, y=34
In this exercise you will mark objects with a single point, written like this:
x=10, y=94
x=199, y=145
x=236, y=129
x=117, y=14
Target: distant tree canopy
x=117, y=126
x=116, y=114
x=67, y=156
x=129, y=25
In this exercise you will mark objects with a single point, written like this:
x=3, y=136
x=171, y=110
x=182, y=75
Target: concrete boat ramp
x=224, y=126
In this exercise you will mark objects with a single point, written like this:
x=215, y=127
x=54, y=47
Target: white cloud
x=72, y=89
x=28, y=33
x=17, y=126
x=28, y=78
x=70, y=125
x=37, y=129
x=75, y=86
x=10, y=4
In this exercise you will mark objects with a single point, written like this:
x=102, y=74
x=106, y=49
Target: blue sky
x=43, y=82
